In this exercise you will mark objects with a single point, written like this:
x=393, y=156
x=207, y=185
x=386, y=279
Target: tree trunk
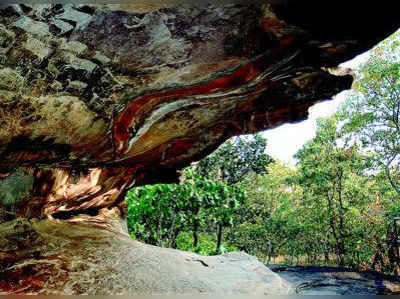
x=196, y=233
x=389, y=176
x=341, y=259
x=173, y=241
x=219, y=236
x=326, y=256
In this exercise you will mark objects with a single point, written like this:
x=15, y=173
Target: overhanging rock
x=97, y=98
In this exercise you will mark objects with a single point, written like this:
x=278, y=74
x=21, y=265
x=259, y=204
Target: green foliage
x=330, y=210
x=207, y=244
x=158, y=207
x=372, y=114
x=204, y=204
x=235, y=159
x=264, y=222
x=158, y=214
x=334, y=182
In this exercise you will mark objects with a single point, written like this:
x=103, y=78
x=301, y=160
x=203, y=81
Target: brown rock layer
x=80, y=259
x=95, y=98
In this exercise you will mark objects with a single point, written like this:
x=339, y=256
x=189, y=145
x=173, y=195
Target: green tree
x=157, y=214
x=325, y=168
x=372, y=113
x=236, y=158
x=265, y=224
x=331, y=205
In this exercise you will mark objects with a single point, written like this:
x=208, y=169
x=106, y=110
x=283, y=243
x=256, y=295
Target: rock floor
x=336, y=281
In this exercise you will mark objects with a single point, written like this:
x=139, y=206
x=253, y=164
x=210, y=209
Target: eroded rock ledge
x=95, y=99
x=81, y=259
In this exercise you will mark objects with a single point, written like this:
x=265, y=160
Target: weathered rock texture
x=95, y=99
x=80, y=259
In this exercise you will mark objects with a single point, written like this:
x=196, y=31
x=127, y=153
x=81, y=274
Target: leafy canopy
x=235, y=159
x=157, y=214
x=372, y=113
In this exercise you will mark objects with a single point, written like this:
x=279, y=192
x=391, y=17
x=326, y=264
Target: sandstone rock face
x=109, y=263
x=97, y=98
